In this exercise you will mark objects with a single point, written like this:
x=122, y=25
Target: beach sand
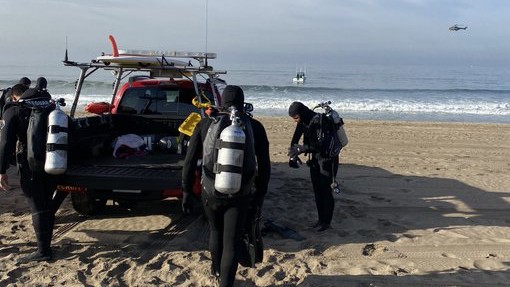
x=422, y=204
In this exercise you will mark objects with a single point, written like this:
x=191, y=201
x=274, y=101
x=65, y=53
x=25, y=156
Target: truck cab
x=149, y=103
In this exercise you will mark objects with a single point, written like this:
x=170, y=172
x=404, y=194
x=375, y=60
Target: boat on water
x=300, y=77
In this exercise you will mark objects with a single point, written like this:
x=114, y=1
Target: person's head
x=300, y=113
x=18, y=90
x=25, y=81
x=41, y=84
x=232, y=96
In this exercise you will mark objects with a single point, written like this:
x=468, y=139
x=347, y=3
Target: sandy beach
x=421, y=204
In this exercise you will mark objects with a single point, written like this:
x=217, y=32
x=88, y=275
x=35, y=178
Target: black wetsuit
x=37, y=187
x=5, y=99
x=227, y=216
x=322, y=171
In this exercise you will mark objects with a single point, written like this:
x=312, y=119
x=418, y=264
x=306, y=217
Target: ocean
x=367, y=92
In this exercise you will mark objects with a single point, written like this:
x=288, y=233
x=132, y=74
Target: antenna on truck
x=66, y=56
x=206, y=22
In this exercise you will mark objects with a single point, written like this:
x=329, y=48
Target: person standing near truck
x=37, y=187
x=227, y=214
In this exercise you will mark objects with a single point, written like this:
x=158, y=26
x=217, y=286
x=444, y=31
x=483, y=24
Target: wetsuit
x=37, y=187
x=322, y=170
x=4, y=99
x=227, y=216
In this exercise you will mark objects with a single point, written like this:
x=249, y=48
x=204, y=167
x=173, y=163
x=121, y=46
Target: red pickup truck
x=152, y=104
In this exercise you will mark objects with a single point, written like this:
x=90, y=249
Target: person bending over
x=321, y=169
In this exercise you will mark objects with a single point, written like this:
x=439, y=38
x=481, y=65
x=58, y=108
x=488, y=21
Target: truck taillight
x=172, y=192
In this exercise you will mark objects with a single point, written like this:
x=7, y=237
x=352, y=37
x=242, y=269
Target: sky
x=325, y=32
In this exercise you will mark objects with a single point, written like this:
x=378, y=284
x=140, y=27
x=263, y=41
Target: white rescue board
x=142, y=60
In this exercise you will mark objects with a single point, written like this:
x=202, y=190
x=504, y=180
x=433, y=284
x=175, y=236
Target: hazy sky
x=277, y=31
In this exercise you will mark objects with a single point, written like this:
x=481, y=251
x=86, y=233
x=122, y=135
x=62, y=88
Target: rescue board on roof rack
x=153, y=57
x=142, y=60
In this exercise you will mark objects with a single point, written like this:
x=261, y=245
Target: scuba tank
x=56, y=146
x=230, y=157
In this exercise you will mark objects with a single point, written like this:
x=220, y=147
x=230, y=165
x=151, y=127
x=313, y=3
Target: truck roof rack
x=168, y=64
x=153, y=61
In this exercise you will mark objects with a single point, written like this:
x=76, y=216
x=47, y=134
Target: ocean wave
x=480, y=108
x=60, y=86
x=310, y=89
x=360, y=103
x=268, y=105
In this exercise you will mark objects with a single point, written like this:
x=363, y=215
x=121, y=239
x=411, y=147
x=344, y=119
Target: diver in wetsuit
x=321, y=169
x=37, y=187
x=226, y=216
x=7, y=93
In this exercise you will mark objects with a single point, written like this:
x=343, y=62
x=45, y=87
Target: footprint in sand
x=402, y=271
x=379, y=198
x=411, y=236
x=368, y=233
x=355, y=212
x=262, y=271
x=490, y=265
x=449, y=255
x=373, y=249
x=342, y=233
x=19, y=227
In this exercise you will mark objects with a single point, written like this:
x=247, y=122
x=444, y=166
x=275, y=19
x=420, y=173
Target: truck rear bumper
x=144, y=182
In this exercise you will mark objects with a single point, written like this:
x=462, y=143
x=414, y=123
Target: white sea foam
x=361, y=108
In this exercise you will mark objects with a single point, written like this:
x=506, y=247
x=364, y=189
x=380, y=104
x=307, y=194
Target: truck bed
x=149, y=172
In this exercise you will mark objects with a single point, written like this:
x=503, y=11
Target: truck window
x=157, y=100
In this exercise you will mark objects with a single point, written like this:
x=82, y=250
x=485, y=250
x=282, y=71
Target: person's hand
x=295, y=150
x=4, y=182
x=188, y=202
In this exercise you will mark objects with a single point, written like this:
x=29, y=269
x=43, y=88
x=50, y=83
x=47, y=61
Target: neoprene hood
x=233, y=96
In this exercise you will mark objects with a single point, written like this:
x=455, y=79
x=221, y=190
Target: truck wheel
x=86, y=204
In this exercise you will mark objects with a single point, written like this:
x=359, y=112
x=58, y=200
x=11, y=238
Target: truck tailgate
x=149, y=172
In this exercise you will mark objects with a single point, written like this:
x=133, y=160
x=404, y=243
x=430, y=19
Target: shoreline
x=366, y=121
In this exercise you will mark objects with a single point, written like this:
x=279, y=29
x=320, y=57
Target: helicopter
x=457, y=27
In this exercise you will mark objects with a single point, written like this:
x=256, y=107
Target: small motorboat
x=300, y=77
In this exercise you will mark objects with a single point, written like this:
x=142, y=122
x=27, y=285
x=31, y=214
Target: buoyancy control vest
x=323, y=136
x=339, y=122
x=229, y=161
x=46, y=135
x=35, y=112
